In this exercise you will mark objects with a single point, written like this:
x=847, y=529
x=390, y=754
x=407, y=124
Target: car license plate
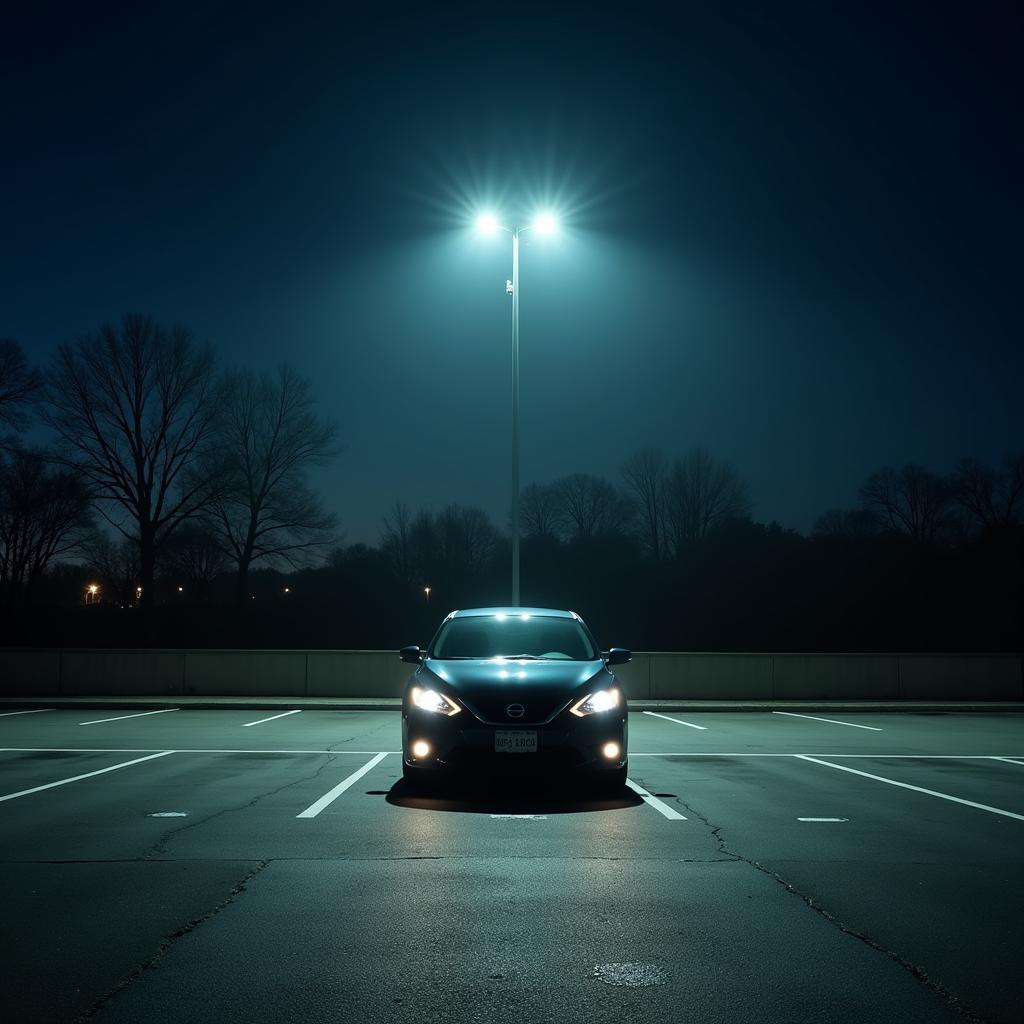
x=515, y=741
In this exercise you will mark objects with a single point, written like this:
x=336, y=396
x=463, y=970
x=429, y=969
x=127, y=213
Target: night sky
x=792, y=233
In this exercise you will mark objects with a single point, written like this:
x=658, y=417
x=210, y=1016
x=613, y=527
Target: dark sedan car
x=514, y=688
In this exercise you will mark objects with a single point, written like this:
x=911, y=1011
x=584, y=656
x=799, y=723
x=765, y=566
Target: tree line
x=173, y=481
x=156, y=443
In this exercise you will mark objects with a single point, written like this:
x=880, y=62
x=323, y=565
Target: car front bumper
x=463, y=741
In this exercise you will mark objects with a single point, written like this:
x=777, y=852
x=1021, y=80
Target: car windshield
x=512, y=635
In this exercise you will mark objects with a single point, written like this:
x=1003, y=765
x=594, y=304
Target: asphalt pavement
x=245, y=865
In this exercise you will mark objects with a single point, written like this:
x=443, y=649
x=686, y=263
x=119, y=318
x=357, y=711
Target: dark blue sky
x=793, y=232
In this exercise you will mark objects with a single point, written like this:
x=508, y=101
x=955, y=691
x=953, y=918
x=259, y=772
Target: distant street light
x=181, y=590
x=287, y=590
x=92, y=593
x=544, y=224
x=426, y=590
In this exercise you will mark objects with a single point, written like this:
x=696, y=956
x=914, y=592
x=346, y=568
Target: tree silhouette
x=134, y=409
x=193, y=556
x=115, y=564
x=540, y=511
x=269, y=435
x=703, y=493
x=993, y=498
x=19, y=386
x=396, y=541
x=911, y=500
x=44, y=513
x=588, y=505
x=646, y=476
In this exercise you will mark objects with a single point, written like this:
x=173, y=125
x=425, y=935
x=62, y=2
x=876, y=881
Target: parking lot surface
x=260, y=865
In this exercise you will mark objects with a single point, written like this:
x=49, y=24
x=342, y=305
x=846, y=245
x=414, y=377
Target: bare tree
x=540, y=511
x=115, y=564
x=911, y=500
x=194, y=556
x=134, y=410
x=44, y=513
x=702, y=493
x=588, y=505
x=270, y=436
x=992, y=497
x=845, y=524
x=396, y=540
x=646, y=476
x=467, y=537
x=19, y=386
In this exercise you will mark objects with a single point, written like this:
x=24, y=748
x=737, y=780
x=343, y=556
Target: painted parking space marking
x=822, y=819
x=1013, y=758
x=798, y=753
x=284, y=714
x=678, y=721
x=332, y=794
x=520, y=817
x=652, y=801
x=833, y=721
x=916, y=789
x=138, y=714
x=34, y=711
x=181, y=750
x=86, y=775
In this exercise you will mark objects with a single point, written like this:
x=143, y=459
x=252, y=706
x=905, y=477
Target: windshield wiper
x=521, y=657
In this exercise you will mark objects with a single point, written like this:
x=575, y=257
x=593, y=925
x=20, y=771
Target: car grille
x=534, y=713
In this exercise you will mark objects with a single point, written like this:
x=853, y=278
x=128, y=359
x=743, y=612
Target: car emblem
x=515, y=711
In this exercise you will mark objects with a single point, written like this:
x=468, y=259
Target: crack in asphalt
x=167, y=942
x=160, y=846
x=917, y=972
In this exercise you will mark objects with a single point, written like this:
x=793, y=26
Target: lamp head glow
x=545, y=224
x=487, y=223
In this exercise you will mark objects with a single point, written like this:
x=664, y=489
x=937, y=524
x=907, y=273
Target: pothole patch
x=630, y=975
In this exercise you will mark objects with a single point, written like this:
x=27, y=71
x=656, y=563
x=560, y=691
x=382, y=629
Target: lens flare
x=487, y=223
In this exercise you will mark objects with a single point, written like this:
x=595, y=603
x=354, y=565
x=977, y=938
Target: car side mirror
x=618, y=656
x=412, y=654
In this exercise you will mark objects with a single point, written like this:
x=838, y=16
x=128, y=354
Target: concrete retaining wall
x=650, y=676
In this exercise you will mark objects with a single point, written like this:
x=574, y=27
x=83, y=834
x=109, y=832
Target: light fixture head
x=487, y=223
x=545, y=224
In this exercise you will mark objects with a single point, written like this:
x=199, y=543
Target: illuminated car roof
x=557, y=612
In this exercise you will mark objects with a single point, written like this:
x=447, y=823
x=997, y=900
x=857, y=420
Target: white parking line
x=332, y=794
x=852, y=725
x=138, y=714
x=284, y=714
x=678, y=721
x=822, y=819
x=653, y=801
x=186, y=750
x=1016, y=758
x=87, y=775
x=916, y=789
x=34, y=711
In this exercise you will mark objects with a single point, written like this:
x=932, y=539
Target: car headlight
x=431, y=700
x=599, y=700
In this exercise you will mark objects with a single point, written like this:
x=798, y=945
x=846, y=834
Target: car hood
x=487, y=686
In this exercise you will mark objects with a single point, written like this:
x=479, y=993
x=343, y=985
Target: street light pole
x=515, y=417
x=545, y=224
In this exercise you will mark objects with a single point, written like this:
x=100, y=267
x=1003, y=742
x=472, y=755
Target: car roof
x=555, y=612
